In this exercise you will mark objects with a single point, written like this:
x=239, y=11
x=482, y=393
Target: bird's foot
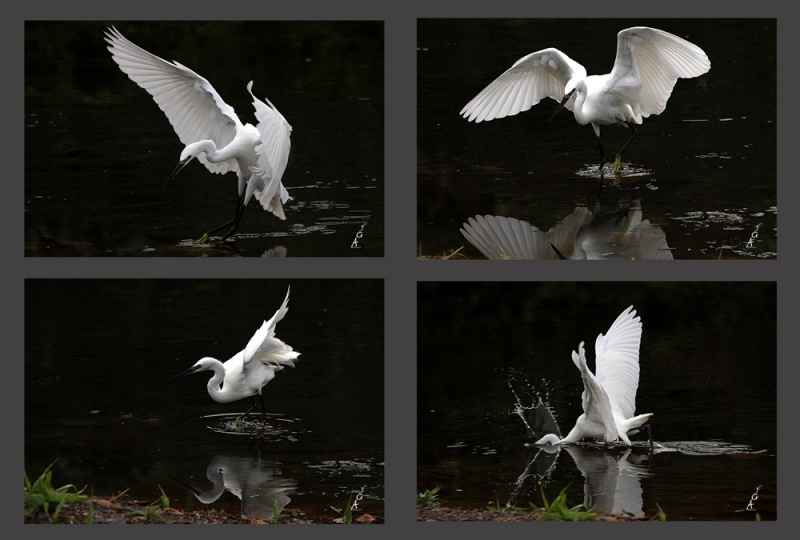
x=617, y=164
x=203, y=239
x=239, y=422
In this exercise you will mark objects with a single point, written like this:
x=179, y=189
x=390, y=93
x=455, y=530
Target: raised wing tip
x=576, y=356
x=111, y=35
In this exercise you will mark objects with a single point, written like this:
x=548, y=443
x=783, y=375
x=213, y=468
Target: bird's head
x=189, y=153
x=548, y=439
x=203, y=364
x=571, y=86
x=568, y=91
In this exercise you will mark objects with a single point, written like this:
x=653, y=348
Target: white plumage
x=249, y=370
x=648, y=64
x=210, y=128
x=609, y=399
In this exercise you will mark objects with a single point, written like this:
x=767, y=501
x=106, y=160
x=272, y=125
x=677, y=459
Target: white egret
x=609, y=399
x=211, y=130
x=249, y=370
x=648, y=64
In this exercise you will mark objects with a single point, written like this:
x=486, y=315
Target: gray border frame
x=399, y=268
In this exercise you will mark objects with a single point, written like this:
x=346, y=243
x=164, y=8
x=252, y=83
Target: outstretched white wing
x=273, y=155
x=191, y=104
x=268, y=349
x=617, y=363
x=541, y=74
x=657, y=59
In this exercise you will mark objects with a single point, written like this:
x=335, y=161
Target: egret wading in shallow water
x=609, y=399
x=249, y=370
x=648, y=64
x=211, y=130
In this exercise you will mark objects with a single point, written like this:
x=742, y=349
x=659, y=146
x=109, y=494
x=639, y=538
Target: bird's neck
x=215, y=382
x=207, y=147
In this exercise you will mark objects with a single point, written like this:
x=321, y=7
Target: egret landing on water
x=251, y=369
x=211, y=130
x=609, y=399
x=648, y=64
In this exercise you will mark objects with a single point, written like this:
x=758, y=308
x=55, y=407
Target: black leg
x=624, y=146
x=234, y=222
x=253, y=401
x=263, y=409
x=649, y=436
x=602, y=156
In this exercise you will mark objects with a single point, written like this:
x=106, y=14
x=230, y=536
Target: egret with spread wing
x=649, y=63
x=249, y=370
x=609, y=399
x=211, y=130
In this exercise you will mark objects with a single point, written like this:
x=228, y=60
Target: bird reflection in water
x=257, y=484
x=583, y=234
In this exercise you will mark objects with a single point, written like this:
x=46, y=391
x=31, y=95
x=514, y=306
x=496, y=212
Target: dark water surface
x=705, y=169
x=708, y=366
x=98, y=149
x=99, y=355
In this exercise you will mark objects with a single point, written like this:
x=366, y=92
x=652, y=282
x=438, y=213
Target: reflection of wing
x=617, y=361
x=499, y=237
x=581, y=235
x=612, y=485
x=652, y=243
x=622, y=235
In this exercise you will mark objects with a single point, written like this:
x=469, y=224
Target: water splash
x=538, y=417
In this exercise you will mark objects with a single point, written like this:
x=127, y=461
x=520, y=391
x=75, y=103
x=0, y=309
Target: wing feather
x=657, y=59
x=268, y=349
x=533, y=77
x=273, y=156
x=617, y=363
x=597, y=404
x=195, y=110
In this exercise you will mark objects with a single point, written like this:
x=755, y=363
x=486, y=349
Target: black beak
x=560, y=256
x=180, y=166
x=560, y=106
x=184, y=373
x=196, y=492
